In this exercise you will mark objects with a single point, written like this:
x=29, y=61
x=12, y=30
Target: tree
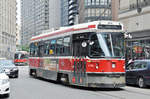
x=25, y=48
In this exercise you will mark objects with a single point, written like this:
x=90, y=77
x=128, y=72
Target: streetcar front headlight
x=97, y=66
x=124, y=67
x=113, y=65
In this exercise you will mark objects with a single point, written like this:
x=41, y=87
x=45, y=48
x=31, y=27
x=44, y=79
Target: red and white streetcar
x=21, y=58
x=89, y=54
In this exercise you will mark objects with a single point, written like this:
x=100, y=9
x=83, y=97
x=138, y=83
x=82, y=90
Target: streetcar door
x=80, y=51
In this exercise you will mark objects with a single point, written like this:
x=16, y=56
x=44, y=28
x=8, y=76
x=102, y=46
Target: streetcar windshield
x=21, y=56
x=107, y=45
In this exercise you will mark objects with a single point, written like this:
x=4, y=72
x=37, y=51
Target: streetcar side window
x=46, y=48
x=33, y=49
x=17, y=56
x=52, y=47
x=41, y=49
x=23, y=56
x=59, y=46
x=66, y=46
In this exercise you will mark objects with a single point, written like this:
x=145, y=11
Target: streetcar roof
x=79, y=27
x=2, y=58
x=21, y=52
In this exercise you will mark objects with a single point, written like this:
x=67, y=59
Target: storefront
x=138, y=47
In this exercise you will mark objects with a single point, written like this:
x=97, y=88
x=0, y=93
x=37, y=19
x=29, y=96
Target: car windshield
x=6, y=63
x=107, y=45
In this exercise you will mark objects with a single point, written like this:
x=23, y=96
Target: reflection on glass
x=107, y=45
x=138, y=49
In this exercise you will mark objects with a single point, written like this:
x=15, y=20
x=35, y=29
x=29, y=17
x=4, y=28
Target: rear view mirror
x=91, y=43
x=130, y=61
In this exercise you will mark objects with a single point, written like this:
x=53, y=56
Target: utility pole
x=139, y=7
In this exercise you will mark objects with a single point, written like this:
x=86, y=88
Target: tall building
x=54, y=14
x=135, y=14
x=38, y=15
x=7, y=28
x=18, y=40
x=73, y=11
x=80, y=11
x=64, y=12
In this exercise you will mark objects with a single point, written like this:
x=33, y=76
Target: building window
x=97, y=2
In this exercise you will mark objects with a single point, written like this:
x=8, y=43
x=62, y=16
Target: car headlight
x=4, y=81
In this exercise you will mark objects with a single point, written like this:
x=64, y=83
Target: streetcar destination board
x=114, y=27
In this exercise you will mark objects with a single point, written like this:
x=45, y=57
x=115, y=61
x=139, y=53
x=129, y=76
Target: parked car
x=138, y=73
x=4, y=83
x=10, y=69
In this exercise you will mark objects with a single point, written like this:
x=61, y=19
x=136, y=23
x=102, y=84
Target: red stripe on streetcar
x=57, y=33
x=64, y=31
x=92, y=26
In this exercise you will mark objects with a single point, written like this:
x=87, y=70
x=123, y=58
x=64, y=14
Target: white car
x=4, y=83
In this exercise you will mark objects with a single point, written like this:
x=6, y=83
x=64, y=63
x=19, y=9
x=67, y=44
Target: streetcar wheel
x=34, y=74
x=141, y=82
x=64, y=79
x=30, y=72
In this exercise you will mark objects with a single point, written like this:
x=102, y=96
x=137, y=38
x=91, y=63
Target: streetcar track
x=113, y=95
x=121, y=97
x=136, y=92
x=100, y=93
x=104, y=92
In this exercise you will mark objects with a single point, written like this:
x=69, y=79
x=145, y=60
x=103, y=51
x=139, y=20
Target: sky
x=18, y=12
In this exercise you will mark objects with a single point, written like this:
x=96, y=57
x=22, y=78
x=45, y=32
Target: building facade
x=93, y=10
x=134, y=14
x=54, y=14
x=18, y=36
x=64, y=12
x=38, y=15
x=7, y=28
x=80, y=11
